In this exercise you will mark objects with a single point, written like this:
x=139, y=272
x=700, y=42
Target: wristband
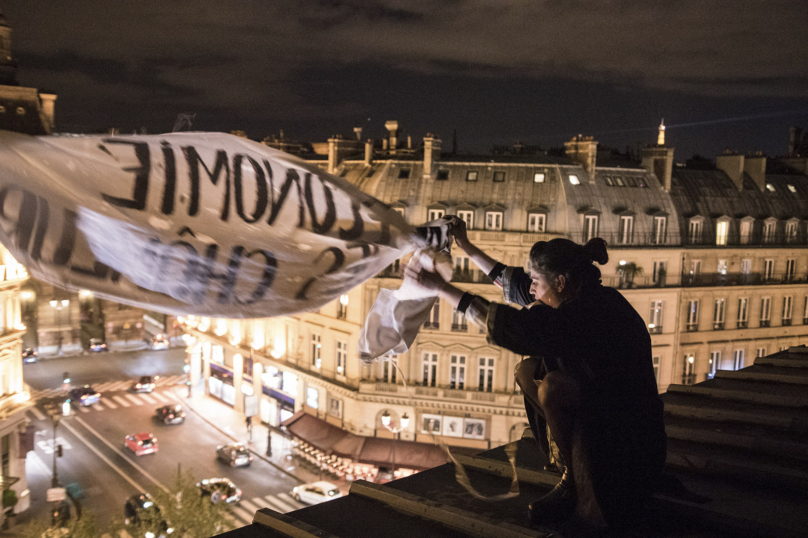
x=496, y=271
x=464, y=303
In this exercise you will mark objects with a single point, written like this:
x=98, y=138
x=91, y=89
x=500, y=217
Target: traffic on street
x=129, y=442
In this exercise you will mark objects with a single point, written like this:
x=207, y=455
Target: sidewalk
x=232, y=424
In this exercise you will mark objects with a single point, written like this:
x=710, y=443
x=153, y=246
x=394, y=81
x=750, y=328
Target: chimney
x=49, y=110
x=358, y=132
x=409, y=142
x=392, y=128
x=384, y=144
x=659, y=161
x=368, y=152
x=733, y=165
x=661, y=137
x=332, y=155
x=755, y=166
x=431, y=153
x=583, y=150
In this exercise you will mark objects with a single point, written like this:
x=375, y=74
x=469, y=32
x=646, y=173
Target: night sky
x=497, y=71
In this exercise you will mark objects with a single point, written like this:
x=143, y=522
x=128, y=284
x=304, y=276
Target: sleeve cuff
x=464, y=303
x=506, y=277
x=497, y=270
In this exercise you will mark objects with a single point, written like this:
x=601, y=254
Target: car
x=141, y=510
x=144, y=384
x=170, y=414
x=219, y=489
x=141, y=443
x=29, y=355
x=159, y=341
x=316, y=492
x=234, y=454
x=97, y=345
x=85, y=395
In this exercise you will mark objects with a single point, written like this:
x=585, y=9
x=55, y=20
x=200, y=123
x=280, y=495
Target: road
x=108, y=473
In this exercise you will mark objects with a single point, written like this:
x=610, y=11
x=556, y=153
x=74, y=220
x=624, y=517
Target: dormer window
x=574, y=180
x=746, y=229
x=536, y=222
x=493, y=220
x=467, y=217
x=619, y=181
x=608, y=181
x=769, y=229
x=538, y=177
x=792, y=188
x=791, y=230
x=443, y=175
x=722, y=231
x=631, y=182
x=694, y=230
x=769, y=187
x=626, y=233
x=499, y=176
x=404, y=173
x=471, y=175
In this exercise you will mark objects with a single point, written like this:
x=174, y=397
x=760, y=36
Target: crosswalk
x=116, y=401
x=246, y=509
x=112, y=386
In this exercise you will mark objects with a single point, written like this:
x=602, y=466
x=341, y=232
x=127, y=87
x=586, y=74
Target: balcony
x=459, y=327
x=741, y=324
x=692, y=327
x=787, y=322
x=718, y=326
x=432, y=325
x=765, y=323
x=689, y=379
x=655, y=330
x=498, y=398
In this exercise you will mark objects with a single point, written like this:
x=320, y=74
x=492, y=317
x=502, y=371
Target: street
x=93, y=439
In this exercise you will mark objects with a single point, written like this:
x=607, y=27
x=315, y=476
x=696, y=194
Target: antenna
x=184, y=122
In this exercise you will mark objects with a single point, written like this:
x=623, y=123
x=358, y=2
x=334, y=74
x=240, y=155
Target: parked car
x=140, y=509
x=97, y=345
x=85, y=395
x=159, y=341
x=234, y=454
x=29, y=355
x=316, y=492
x=170, y=414
x=141, y=443
x=144, y=384
x=219, y=489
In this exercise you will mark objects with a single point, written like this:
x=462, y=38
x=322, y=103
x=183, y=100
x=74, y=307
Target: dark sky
x=498, y=71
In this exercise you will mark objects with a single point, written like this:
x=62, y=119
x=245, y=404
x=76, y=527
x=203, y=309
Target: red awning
x=330, y=439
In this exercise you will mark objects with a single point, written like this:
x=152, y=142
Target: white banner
x=191, y=223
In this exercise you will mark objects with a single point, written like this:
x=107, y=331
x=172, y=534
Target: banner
x=191, y=223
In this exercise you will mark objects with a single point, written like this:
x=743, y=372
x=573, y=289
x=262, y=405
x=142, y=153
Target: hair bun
x=595, y=250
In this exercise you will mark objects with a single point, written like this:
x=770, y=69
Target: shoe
x=557, y=505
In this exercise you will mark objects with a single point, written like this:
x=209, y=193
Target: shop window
x=313, y=397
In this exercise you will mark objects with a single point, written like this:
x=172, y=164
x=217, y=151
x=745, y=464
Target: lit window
x=574, y=180
x=538, y=177
x=313, y=397
x=499, y=177
x=608, y=181
x=721, y=232
x=404, y=173
x=769, y=187
x=342, y=356
x=471, y=175
x=316, y=350
x=792, y=188
x=619, y=181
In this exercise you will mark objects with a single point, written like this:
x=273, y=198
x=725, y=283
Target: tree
x=628, y=271
x=85, y=527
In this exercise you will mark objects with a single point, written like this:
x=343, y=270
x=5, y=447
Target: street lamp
x=386, y=422
x=58, y=306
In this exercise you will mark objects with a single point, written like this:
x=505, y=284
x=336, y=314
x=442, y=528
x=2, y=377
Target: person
x=249, y=427
x=598, y=394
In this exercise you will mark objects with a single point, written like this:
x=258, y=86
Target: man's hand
x=426, y=280
x=458, y=231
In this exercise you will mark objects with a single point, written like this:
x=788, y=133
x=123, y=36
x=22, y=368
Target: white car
x=316, y=492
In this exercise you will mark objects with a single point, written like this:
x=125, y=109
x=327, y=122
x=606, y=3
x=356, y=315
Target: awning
x=331, y=439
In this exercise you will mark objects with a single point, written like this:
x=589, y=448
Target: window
x=695, y=267
x=655, y=325
x=765, y=311
x=641, y=182
x=768, y=231
x=493, y=220
x=459, y=322
x=791, y=265
x=535, y=222
x=342, y=306
x=693, y=315
x=631, y=181
x=722, y=267
x=404, y=173
x=688, y=370
x=694, y=231
x=342, y=356
x=619, y=181
x=435, y=214
x=721, y=232
x=737, y=361
x=660, y=272
x=443, y=175
x=608, y=181
x=471, y=175
x=715, y=362
x=5, y=450
x=746, y=230
x=805, y=312
x=590, y=227
x=743, y=312
x=626, y=230
x=574, y=180
x=433, y=321
x=656, y=369
x=761, y=352
x=768, y=269
x=485, y=375
x=791, y=231
x=457, y=372
x=389, y=371
x=787, y=304
x=429, y=365
x=462, y=264
x=769, y=187
x=499, y=176
x=746, y=266
x=718, y=314
x=316, y=349
x=660, y=229
x=538, y=177
x=467, y=217
x=792, y=188
x=313, y=397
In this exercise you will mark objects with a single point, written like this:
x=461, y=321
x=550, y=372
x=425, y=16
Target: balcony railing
x=701, y=280
x=718, y=326
x=459, y=327
x=655, y=330
x=431, y=325
x=688, y=379
x=758, y=238
x=786, y=322
x=765, y=323
x=692, y=327
x=742, y=324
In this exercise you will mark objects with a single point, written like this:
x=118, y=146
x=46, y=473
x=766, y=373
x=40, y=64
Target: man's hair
x=563, y=257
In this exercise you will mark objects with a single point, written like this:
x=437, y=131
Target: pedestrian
x=600, y=395
x=249, y=427
x=269, y=441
